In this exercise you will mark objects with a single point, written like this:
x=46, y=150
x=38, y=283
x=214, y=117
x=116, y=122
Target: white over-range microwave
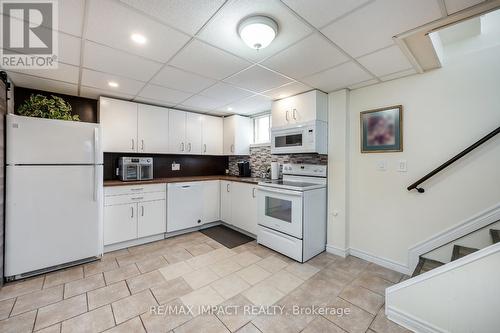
x=297, y=139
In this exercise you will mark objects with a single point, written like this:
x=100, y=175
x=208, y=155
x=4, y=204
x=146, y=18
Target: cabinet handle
x=142, y=210
x=253, y=192
x=205, y=148
x=137, y=189
x=133, y=144
x=232, y=148
x=294, y=114
x=286, y=115
x=142, y=144
x=189, y=146
x=132, y=215
x=182, y=146
x=138, y=198
x=227, y=187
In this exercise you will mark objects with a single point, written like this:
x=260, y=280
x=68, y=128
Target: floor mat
x=226, y=236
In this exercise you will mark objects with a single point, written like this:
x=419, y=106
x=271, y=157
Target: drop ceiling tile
x=251, y=105
x=453, y=6
x=186, y=15
x=94, y=93
x=225, y=93
x=151, y=101
x=100, y=80
x=222, y=30
x=164, y=94
x=32, y=82
x=287, y=90
x=257, y=78
x=116, y=62
x=63, y=72
x=201, y=103
x=175, y=78
x=398, y=75
x=207, y=60
x=338, y=77
x=319, y=52
x=372, y=27
x=71, y=16
x=322, y=12
x=69, y=49
x=111, y=23
x=386, y=61
x=363, y=84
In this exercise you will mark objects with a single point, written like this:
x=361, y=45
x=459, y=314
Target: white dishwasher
x=184, y=205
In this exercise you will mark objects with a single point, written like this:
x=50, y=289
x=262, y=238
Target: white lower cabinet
x=132, y=212
x=244, y=207
x=225, y=201
x=211, y=201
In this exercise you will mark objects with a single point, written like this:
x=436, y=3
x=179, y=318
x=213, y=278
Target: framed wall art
x=382, y=130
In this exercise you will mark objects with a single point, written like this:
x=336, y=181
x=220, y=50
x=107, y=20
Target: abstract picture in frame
x=382, y=130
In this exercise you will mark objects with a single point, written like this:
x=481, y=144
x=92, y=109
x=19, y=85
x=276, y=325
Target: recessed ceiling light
x=258, y=31
x=138, y=38
x=113, y=84
x=229, y=109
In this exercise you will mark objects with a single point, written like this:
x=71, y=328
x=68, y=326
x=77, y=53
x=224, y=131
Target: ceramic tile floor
x=117, y=293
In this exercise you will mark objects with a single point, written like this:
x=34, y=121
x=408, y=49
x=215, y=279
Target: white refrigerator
x=54, y=191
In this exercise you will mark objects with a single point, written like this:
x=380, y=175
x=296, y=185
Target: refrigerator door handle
x=96, y=159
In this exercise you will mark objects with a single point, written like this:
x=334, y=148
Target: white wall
x=445, y=110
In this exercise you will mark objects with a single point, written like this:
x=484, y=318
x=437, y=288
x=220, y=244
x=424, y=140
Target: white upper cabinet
x=302, y=108
x=237, y=135
x=212, y=137
x=152, y=129
x=177, y=132
x=193, y=133
x=119, y=125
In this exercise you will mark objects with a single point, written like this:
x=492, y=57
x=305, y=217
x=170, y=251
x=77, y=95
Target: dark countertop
x=115, y=182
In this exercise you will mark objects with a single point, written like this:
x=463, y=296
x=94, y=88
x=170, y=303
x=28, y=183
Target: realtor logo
x=29, y=34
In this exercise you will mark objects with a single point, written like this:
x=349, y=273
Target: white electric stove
x=292, y=211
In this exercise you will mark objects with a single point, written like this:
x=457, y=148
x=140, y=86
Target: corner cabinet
x=133, y=212
x=302, y=108
x=237, y=135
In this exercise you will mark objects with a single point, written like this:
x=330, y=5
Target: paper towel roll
x=275, y=170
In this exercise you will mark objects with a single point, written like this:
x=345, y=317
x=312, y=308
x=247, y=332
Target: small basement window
x=262, y=129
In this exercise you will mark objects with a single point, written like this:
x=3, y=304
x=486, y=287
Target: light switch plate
x=402, y=166
x=176, y=166
x=382, y=165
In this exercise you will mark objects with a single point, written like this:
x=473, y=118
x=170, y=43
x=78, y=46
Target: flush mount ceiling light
x=138, y=38
x=113, y=84
x=257, y=31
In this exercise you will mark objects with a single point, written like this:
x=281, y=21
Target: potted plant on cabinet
x=52, y=107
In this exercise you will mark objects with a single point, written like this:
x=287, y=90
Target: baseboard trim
x=387, y=263
x=337, y=251
x=410, y=322
x=467, y=226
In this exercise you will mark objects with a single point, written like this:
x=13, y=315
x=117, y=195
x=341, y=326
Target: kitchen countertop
x=116, y=182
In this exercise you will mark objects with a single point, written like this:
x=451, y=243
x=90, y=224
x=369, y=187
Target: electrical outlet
x=176, y=166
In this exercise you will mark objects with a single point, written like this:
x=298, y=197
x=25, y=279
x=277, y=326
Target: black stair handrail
x=452, y=160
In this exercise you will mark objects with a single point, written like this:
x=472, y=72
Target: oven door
x=280, y=210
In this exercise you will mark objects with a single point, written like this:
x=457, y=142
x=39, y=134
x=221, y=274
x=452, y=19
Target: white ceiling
x=194, y=59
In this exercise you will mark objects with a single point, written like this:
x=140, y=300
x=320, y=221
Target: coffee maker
x=244, y=169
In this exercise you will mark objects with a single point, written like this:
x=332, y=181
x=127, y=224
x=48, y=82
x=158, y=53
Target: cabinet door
x=225, y=201
x=252, y=220
x=211, y=201
x=177, y=131
x=151, y=219
x=243, y=135
x=152, y=129
x=193, y=133
x=229, y=132
x=212, y=135
x=280, y=112
x=120, y=223
x=303, y=107
x=184, y=205
x=119, y=125
x=244, y=207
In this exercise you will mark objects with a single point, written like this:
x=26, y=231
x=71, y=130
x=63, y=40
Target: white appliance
x=292, y=211
x=308, y=137
x=54, y=185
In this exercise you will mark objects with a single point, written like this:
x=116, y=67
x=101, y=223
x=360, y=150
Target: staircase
x=459, y=251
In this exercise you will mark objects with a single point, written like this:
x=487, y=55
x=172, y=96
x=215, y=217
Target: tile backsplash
x=260, y=159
